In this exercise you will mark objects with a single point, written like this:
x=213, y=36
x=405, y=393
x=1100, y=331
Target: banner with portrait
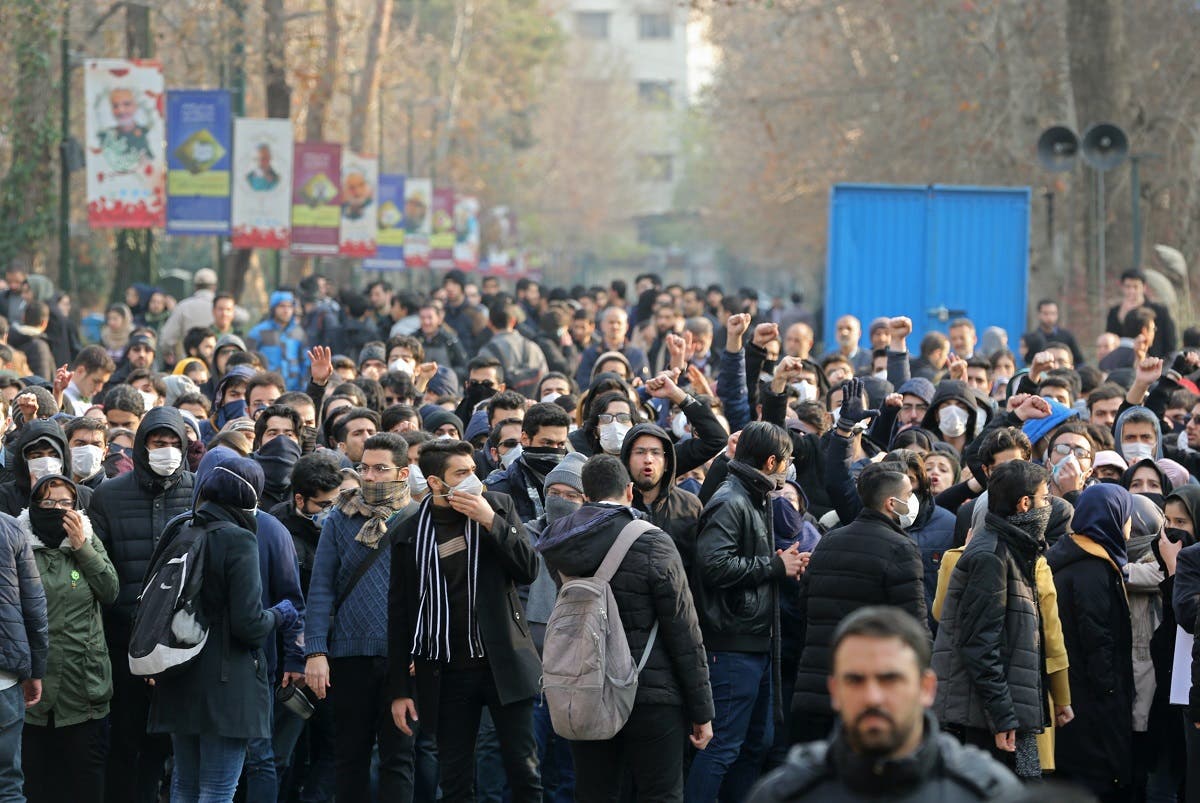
x=126, y=167
x=316, y=198
x=199, y=155
x=262, y=183
x=389, y=252
x=360, y=221
x=441, y=239
x=466, y=232
x=418, y=221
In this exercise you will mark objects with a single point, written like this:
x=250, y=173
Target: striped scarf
x=431, y=640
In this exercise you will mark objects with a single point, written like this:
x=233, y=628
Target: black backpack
x=169, y=628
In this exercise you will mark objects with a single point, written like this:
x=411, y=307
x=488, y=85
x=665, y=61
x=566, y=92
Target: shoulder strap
x=616, y=553
x=385, y=544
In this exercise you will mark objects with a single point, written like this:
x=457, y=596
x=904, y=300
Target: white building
x=644, y=43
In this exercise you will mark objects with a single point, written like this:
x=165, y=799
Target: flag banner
x=466, y=232
x=316, y=198
x=199, y=155
x=360, y=221
x=441, y=239
x=418, y=221
x=262, y=184
x=126, y=166
x=389, y=252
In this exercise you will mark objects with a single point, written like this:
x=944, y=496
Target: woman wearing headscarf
x=214, y=705
x=78, y=577
x=1090, y=570
x=114, y=334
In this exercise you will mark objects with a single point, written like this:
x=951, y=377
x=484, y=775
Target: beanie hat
x=371, y=351
x=439, y=418
x=281, y=297
x=1037, y=428
x=478, y=425
x=918, y=386
x=177, y=385
x=568, y=472
x=444, y=382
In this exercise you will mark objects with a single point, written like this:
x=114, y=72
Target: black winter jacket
x=1097, y=745
x=988, y=653
x=870, y=561
x=808, y=454
x=129, y=513
x=305, y=535
x=14, y=494
x=24, y=627
x=649, y=586
x=674, y=511
x=941, y=770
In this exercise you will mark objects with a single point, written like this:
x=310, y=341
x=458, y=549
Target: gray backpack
x=588, y=675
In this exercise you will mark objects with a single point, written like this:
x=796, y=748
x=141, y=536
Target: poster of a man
x=357, y=195
x=125, y=144
x=263, y=177
x=416, y=213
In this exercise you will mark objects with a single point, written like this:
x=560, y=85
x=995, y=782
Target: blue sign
x=199, y=151
x=389, y=254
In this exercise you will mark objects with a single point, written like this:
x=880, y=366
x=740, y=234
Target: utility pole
x=64, y=160
x=135, y=247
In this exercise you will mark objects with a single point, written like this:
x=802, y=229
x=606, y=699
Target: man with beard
x=888, y=746
x=543, y=445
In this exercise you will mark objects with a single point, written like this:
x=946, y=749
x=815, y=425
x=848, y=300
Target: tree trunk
x=368, y=85
x=322, y=95
x=279, y=94
x=135, y=248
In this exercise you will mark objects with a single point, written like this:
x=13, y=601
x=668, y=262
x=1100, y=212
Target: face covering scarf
x=378, y=501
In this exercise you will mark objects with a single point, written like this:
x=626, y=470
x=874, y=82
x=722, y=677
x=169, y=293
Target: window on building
x=654, y=26
x=656, y=167
x=654, y=94
x=592, y=24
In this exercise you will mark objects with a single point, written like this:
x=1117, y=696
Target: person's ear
x=928, y=688
x=1024, y=504
x=525, y=439
x=629, y=493
x=299, y=501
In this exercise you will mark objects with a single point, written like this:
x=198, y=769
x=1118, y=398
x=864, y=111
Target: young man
x=650, y=587
x=457, y=622
x=262, y=391
x=281, y=340
x=1133, y=296
x=87, y=438
x=90, y=371
x=352, y=430
x=888, y=746
x=543, y=444
x=346, y=630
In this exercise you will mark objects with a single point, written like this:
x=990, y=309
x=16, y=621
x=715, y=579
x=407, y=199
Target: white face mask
x=86, y=461
x=1133, y=452
x=679, y=424
x=416, y=480
x=510, y=457
x=445, y=436
x=470, y=485
x=165, y=461
x=836, y=413
x=612, y=436
x=550, y=398
x=911, y=506
x=952, y=421
x=806, y=390
x=319, y=518
x=765, y=377
x=44, y=466
x=149, y=399
x=407, y=366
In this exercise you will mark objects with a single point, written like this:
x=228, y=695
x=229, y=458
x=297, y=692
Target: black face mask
x=47, y=524
x=1178, y=536
x=1159, y=500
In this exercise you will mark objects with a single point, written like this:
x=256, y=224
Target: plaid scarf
x=431, y=640
x=378, y=501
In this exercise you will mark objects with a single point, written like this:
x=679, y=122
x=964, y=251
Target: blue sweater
x=361, y=625
x=280, y=570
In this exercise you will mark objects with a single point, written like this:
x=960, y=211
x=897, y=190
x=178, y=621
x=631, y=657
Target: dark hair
x=316, y=473
x=1073, y=426
x=1055, y=382
x=93, y=359
x=544, y=415
x=1182, y=398
x=264, y=380
x=125, y=398
x=885, y=622
x=1090, y=377
x=505, y=400
x=195, y=397
x=372, y=392
x=493, y=436
x=933, y=341
x=352, y=414
x=84, y=422
x=760, y=440
x=1001, y=440
x=237, y=358
x=1109, y=390
x=1136, y=320
x=1045, y=302
x=355, y=304
x=223, y=296
x=1011, y=481
x=913, y=463
x=351, y=391
x=879, y=482
x=296, y=398
x=391, y=442
x=400, y=384
x=416, y=437
x=1133, y=273
x=194, y=337
x=276, y=411
x=604, y=478
x=396, y=413
x=980, y=362
x=486, y=362
x=574, y=388
x=502, y=314
x=1102, y=437
x=36, y=313
x=406, y=342
x=999, y=355
x=1191, y=337
x=958, y=322
x=436, y=454
x=591, y=425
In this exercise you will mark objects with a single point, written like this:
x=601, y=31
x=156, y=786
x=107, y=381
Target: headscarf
x=1100, y=514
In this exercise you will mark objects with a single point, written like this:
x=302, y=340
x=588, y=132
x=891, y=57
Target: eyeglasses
x=620, y=418
x=480, y=383
x=61, y=504
x=570, y=496
x=1064, y=449
x=328, y=503
x=364, y=469
x=510, y=443
x=125, y=450
x=655, y=453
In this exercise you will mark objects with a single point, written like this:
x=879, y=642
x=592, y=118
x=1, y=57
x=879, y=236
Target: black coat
x=649, y=586
x=223, y=692
x=14, y=494
x=506, y=559
x=870, y=561
x=305, y=535
x=1096, y=747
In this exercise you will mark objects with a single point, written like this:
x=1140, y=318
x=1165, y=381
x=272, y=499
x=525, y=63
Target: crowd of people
x=964, y=572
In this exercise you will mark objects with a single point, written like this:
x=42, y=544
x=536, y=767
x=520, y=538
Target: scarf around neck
x=378, y=501
x=431, y=639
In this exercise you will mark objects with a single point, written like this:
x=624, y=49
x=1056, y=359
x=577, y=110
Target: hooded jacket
x=674, y=511
x=276, y=458
x=649, y=586
x=14, y=494
x=1119, y=426
x=129, y=513
x=954, y=390
x=1096, y=747
x=283, y=347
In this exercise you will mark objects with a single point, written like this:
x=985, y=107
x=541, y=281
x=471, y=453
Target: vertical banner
x=262, y=183
x=441, y=239
x=199, y=155
x=126, y=167
x=316, y=198
x=360, y=179
x=466, y=233
x=418, y=221
x=389, y=253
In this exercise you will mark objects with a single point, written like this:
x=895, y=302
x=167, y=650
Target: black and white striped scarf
x=431, y=640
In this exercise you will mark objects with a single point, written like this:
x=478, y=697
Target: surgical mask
x=44, y=466
x=550, y=398
x=881, y=375
x=149, y=399
x=613, y=435
x=1133, y=452
x=836, y=413
x=407, y=366
x=469, y=485
x=679, y=424
x=559, y=508
x=806, y=390
x=86, y=461
x=952, y=421
x=320, y=517
x=416, y=480
x=445, y=436
x=165, y=461
x=912, y=505
x=765, y=377
x=1055, y=470
x=510, y=457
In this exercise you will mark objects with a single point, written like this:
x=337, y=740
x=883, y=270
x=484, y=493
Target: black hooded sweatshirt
x=674, y=511
x=14, y=494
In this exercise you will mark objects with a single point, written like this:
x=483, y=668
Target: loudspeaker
x=1105, y=146
x=1057, y=148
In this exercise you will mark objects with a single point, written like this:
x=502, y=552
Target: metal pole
x=1101, y=256
x=1135, y=192
x=64, y=179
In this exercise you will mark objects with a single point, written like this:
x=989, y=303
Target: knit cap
x=568, y=472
